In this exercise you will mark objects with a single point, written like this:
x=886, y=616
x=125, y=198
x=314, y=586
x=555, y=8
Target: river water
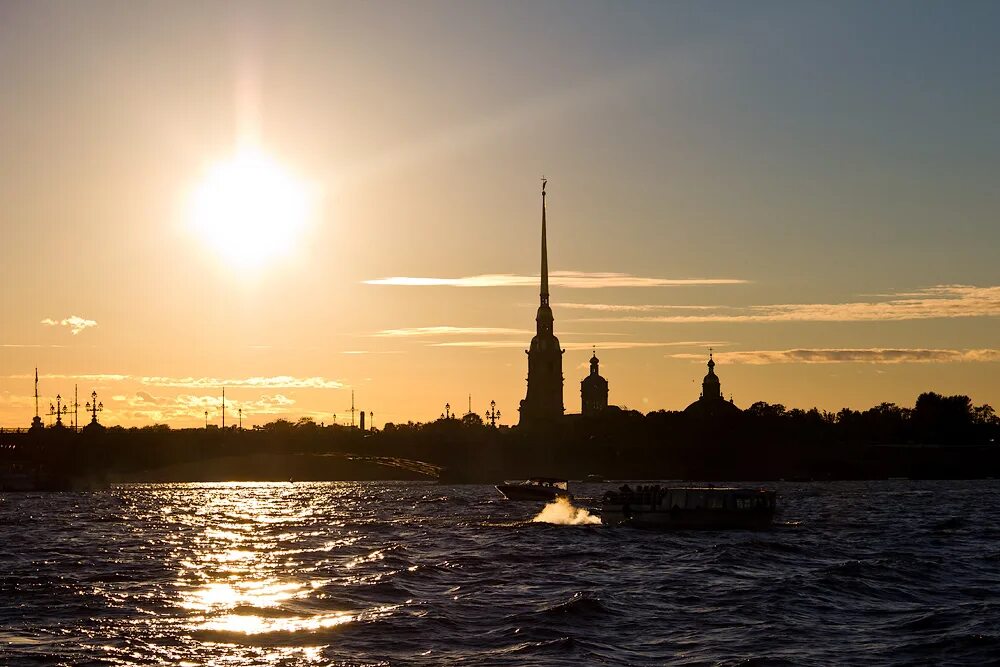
x=874, y=573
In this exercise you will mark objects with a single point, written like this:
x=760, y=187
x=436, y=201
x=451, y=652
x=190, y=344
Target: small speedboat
x=536, y=488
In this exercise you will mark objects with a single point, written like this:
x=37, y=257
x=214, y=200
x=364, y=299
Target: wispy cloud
x=274, y=382
x=571, y=279
x=86, y=377
x=24, y=345
x=450, y=331
x=941, y=301
x=75, y=323
x=632, y=308
x=145, y=407
x=849, y=355
x=12, y=401
x=603, y=345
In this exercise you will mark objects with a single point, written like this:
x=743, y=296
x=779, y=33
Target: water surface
x=892, y=573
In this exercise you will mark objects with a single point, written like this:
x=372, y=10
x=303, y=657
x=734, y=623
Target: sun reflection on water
x=243, y=593
x=272, y=574
x=254, y=625
x=256, y=565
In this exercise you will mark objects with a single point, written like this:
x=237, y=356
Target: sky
x=807, y=188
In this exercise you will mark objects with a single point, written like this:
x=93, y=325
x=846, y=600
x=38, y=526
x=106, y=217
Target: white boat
x=681, y=508
x=536, y=488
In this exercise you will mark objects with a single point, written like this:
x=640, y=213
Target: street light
x=93, y=407
x=493, y=414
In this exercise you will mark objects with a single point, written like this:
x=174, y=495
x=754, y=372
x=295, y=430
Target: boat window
x=695, y=500
x=715, y=500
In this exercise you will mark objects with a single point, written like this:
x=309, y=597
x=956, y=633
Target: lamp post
x=241, y=418
x=447, y=410
x=58, y=410
x=206, y=420
x=371, y=420
x=493, y=415
x=93, y=407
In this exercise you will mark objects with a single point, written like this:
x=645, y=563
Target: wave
x=564, y=513
x=453, y=576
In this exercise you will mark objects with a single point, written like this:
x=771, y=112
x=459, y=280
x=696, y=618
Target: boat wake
x=562, y=512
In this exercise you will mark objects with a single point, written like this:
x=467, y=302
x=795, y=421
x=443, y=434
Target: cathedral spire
x=543, y=402
x=544, y=292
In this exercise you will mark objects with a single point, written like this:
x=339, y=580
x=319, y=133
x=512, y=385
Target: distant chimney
x=362, y=420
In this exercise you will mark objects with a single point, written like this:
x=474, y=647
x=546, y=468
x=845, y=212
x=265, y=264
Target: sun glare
x=249, y=209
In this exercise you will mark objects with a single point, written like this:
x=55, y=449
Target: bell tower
x=594, y=390
x=711, y=388
x=543, y=402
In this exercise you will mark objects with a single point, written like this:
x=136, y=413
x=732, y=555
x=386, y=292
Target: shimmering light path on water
x=416, y=574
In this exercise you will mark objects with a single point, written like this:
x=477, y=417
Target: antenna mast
x=352, y=408
x=223, y=408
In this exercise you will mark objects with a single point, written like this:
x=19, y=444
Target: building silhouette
x=711, y=403
x=543, y=402
x=593, y=390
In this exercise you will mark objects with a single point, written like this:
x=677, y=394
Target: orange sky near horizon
x=300, y=202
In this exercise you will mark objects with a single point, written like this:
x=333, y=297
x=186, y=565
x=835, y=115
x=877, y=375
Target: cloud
x=143, y=406
x=27, y=345
x=604, y=345
x=75, y=323
x=275, y=382
x=571, y=279
x=450, y=331
x=938, y=302
x=849, y=355
x=8, y=400
x=632, y=308
x=87, y=377
x=146, y=397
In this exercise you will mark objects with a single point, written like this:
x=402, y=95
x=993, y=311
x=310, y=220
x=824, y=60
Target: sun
x=249, y=209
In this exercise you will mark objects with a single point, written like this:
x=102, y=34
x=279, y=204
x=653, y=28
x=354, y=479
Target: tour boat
x=32, y=477
x=682, y=508
x=536, y=488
